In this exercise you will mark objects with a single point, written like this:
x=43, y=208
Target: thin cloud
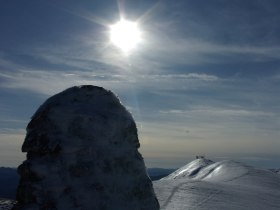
x=12, y=131
x=190, y=76
x=198, y=51
x=12, y=121
x=220, y=112
x=51, y=82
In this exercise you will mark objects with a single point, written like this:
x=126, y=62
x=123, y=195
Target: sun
x=125, y=35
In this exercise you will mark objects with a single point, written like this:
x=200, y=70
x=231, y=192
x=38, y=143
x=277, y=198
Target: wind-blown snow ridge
x=190, y=170
x=204, y=169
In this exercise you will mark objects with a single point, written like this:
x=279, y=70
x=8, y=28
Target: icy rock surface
x=82, y=153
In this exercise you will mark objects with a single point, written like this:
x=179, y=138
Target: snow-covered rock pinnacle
x=82, y=153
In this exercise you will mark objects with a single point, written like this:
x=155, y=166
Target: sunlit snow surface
x=230, y=185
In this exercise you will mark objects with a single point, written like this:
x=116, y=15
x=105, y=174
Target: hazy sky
x=204, y=80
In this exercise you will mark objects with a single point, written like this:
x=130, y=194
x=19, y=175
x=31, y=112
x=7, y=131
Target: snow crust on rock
x=82, y=153
x=222, y=185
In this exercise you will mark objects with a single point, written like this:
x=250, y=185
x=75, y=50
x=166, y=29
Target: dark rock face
x=82, y=153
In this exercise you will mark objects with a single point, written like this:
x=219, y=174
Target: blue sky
x=204, y=80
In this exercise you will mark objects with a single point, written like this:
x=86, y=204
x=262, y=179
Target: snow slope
x=230, y=185
x=190, y=170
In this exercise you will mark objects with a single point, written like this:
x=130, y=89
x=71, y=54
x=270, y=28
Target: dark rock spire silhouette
x=82, y=153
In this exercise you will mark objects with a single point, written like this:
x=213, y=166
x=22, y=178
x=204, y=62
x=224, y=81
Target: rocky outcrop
x=82, y=153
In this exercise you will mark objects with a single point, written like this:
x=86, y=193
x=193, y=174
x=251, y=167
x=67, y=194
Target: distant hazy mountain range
x=8, y=182
x=158, y=173
x=9, y=179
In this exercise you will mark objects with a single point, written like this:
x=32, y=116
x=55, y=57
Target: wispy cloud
x=189, y=76
x=220, y=112
x=50, y=82
x=13, y=120
x=184, y=36
x=9, y=131
x=190, y=51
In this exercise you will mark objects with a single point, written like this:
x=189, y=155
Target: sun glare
x=125, y=35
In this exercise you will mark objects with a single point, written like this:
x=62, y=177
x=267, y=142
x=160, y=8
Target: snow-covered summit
x=82, y=153
x=190, y=170
x=203, y=184
x=222, y=171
